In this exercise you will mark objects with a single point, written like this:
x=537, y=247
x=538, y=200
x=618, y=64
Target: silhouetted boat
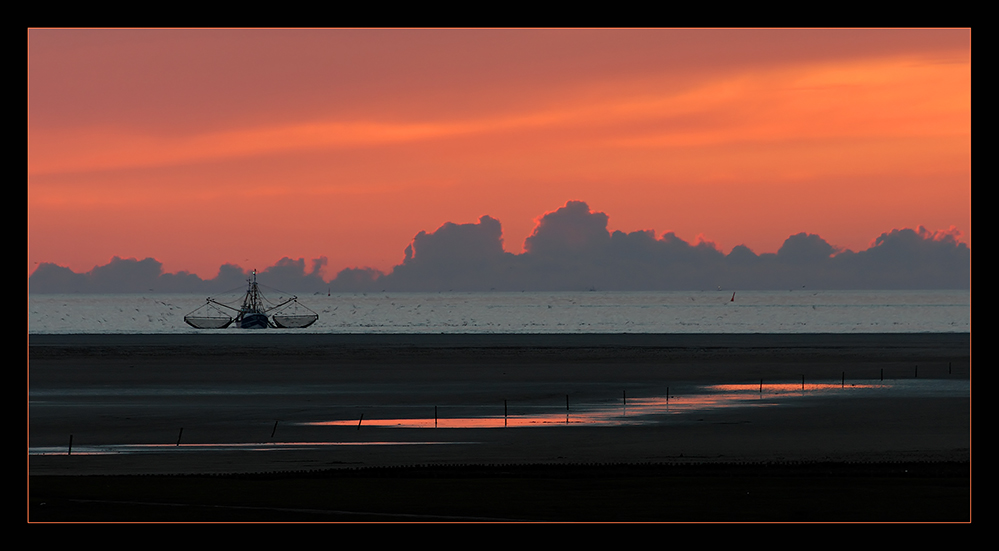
x=252, y=313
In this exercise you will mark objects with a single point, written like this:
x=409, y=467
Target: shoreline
x=269, y=338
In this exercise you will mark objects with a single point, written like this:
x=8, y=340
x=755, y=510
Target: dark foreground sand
x=233, y=388
x=902, y=455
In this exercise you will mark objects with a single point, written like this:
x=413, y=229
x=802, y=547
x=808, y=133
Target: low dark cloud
x=571, y=249
x=291, y=275
x=129, y=275
x=355, y=279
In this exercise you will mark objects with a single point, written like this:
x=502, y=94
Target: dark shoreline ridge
x=704, y=357
x=266, y=339
x=494, y=360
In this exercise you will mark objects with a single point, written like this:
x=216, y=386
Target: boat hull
x=252, y=321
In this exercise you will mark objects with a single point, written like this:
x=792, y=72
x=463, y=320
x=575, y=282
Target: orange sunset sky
x=201, y=147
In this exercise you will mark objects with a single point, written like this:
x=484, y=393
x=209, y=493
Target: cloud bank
x=571, y=249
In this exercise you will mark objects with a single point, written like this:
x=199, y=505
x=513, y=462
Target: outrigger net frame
x=220, y=319
x=290, y=316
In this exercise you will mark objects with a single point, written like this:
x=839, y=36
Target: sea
x=794, y=311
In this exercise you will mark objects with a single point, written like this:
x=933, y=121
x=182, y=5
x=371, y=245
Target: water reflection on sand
x=113, y=449
x=675, y=407
x=652, y=410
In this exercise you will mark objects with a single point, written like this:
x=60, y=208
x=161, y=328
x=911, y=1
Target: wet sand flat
x=267, y=396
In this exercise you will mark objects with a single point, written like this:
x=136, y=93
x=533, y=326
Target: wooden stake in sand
x=504, y=413
x=274, y=429
x=181, y=433
x=435, y=417
x=70, y=452
x=842, y=383
x=359, y=422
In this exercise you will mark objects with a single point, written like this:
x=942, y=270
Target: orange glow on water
x=791, y=388
x=450, y=423
x=630, y=411
x=114, y=449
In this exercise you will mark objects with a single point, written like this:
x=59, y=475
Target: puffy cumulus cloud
x=565, y=251
x=455, y=257
x=911, y=259
x=804, y=260
x=906, y=245
x=569, y=230
x=805, y=248
x=741, y=255
x=950, y=235
x=899, y=259
x=478, y=242
x=572, y=250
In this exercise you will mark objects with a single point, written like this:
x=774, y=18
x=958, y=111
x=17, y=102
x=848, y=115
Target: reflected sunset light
x=652, y=410
x=113, y=449
x=684, y=405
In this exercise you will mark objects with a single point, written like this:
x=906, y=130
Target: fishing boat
x=255, y=312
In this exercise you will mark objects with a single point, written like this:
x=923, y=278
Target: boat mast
x=251, y=304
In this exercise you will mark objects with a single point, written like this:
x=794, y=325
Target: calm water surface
x=797, y=311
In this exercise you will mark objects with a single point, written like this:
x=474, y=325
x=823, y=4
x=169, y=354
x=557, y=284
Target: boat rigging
x=255, y=312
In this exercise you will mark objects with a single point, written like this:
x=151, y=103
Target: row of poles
x=361, y=419
x=624, y=400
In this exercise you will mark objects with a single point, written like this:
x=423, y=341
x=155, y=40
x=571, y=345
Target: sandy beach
x=268, y=396
x=277, y=427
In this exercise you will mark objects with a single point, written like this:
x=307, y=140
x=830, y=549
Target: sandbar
x=276, y=389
